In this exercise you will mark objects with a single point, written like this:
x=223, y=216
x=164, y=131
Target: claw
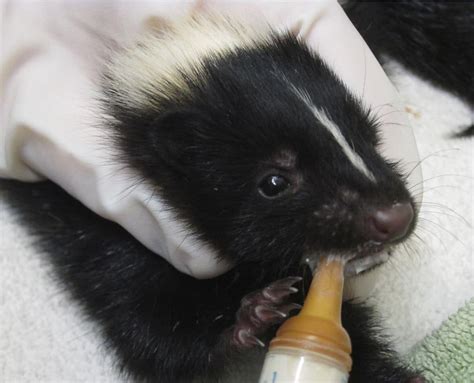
x=261, y=309
x=245, y=338
x=279, y=290
x=286, y=309
x=249, y=299
x=268, y=314
x=289, y=281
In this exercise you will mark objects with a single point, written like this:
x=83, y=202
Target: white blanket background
x=45, y=338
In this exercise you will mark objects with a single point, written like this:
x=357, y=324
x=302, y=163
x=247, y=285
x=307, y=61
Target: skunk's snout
x=358, y=224
x=391, y=223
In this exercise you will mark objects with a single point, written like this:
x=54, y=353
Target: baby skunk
x=263, y=153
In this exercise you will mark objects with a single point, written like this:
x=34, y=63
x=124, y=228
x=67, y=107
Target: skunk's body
x=432, y=38
x=249, y=147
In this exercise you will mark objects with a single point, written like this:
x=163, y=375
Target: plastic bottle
x=313, y=346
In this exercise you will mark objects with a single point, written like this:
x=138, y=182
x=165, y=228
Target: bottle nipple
x=318, y=328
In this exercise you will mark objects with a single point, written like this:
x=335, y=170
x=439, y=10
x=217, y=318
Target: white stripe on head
x=332, y=128
x=161, y=65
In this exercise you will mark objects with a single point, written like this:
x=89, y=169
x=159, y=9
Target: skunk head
x=256, y=145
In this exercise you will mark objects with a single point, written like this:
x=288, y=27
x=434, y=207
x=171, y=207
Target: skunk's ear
x=173, y=136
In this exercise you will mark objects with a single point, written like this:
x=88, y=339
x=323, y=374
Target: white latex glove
x=51, y=55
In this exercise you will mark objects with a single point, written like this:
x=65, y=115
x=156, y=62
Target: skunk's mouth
x=358, y=264
x=361, y=260
x=366, y=258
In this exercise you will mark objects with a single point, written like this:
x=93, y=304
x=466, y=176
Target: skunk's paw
x=261, y=309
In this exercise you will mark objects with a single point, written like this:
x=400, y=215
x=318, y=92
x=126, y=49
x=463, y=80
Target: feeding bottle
x=313, y=346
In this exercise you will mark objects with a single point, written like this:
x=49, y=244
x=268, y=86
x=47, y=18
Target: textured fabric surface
x=448, y=354
x=44, y=337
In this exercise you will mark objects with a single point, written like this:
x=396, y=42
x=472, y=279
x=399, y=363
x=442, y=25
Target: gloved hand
x=51, y=60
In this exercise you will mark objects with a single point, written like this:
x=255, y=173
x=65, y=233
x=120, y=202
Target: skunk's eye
x=273, y=185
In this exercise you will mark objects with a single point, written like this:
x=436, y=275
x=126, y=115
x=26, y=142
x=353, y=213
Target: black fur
x=465, y=133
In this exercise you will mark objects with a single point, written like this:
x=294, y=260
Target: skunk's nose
x=390, y=224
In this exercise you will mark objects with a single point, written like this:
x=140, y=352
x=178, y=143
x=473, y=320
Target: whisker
x=429, y=156
x=389, y=113
x=444, y=229
x=394, y=123
x=432, y=236
x=380, y=106
x=130, y=189
x=365, y=72
x=421, y=239
x=439, y=176
x=445, y=215
x=434, y=188
x=442, y=206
